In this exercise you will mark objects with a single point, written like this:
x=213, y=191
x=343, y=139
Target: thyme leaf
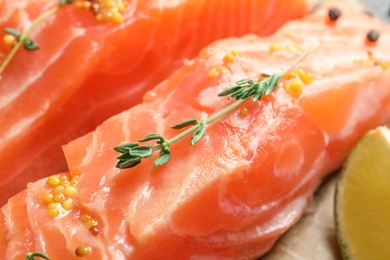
x=152, y=137
x=31, y=256
x=23, y=39
x=163, y=158
x=127, y=162
x=143, y=151
x=186, y=123
x=199, y=133
x=132, y=153
x=247, y=87
x=30, y=44
x=64, y=2
x=12, y=31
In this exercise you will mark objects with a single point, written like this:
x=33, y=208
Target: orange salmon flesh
x=247, y=181
x=86, y=71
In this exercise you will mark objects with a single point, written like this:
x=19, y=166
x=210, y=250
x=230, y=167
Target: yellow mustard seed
x=70, y=190
x=307, y=78
x=109, y=4
x=107, y=14
x=276, y=46
x=53, y=212
x=64, y=180
x=53, y=209
x=53, y=181
x=74, y=182
x=10, y=40
x=67, y=203
x=213, y=72
x=223, y=70
x=295, y=87
x=53, y=205
x=59, y=189
x=116, y=17
x=91, y=223
x=83, y=251
x=121, y=6
x=299, y=72
x=290, y=75
x=228, y=58
x=85, y=217
x=58, y=197
x=234, y=53
x=385, y=65
x=108, y=10
x=287, y=87
x=48, y=198
x=86, y=4
x=244, y=111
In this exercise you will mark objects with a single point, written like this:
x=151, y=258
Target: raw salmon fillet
x=236, y=191
x=87, y=71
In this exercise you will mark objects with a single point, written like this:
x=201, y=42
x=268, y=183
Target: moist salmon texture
x=87, y=71
x=236, y=191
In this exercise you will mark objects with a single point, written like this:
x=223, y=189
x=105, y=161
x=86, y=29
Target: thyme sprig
x=22, y=38
x=31, y=256
x=247, y=87
x=28, y=43
x=132, y=153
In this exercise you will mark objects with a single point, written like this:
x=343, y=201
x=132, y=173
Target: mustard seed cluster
x=59, y=199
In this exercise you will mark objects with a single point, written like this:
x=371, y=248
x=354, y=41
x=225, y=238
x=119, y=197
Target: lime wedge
x=362, y=199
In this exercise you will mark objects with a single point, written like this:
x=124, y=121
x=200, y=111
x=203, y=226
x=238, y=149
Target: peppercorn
x=334, y=14
x=373, y=35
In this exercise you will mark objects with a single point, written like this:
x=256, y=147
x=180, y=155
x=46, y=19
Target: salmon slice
x=237, y=190
x=87, y=71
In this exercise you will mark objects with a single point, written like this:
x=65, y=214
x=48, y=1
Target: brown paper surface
x=314, y=236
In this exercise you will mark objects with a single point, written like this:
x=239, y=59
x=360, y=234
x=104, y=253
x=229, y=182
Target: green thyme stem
x=295, y=63
x=24, y=36
x=224, y=111
x=209, y=120
x=132, y=153
x=164, y=144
